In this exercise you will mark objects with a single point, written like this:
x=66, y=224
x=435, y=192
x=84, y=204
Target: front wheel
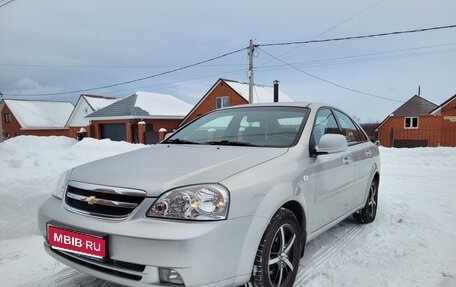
x=368, y=213
x=277, y=259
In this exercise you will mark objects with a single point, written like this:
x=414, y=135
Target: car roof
x=282, y=104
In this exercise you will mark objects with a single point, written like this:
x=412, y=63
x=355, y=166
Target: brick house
x=226, y=93
x=39, y=118
x=420, y=123
x=86, y=105
x=138, y=118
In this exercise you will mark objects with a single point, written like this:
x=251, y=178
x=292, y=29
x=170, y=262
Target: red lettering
x=76, y=242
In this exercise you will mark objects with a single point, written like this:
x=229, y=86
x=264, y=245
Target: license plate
x=76, y=242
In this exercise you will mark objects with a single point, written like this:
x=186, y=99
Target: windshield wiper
x=180, y=141
x=231, y=143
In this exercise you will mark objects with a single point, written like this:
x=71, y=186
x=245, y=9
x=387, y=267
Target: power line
x=349, y=19
x=102, y=66
x=357, y=37
x=334, y=27
x=330, y=82
x=6, y=3
x=135, y=80
x=384, y=55
x=242, y=49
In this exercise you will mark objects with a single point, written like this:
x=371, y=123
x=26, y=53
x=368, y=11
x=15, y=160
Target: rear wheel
x=368, y=213
x=277, y=260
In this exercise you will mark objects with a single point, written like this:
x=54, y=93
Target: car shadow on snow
x=325, y=247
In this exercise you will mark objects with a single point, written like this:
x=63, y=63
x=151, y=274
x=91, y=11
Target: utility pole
x=251, y=49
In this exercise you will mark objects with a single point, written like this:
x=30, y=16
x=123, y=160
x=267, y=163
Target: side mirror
x=332, y=143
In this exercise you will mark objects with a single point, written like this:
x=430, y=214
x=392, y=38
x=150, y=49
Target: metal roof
x=416, y=106
x=144, y=105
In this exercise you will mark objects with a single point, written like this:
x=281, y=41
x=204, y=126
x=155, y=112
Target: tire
x=368, y=213
x=277, y=259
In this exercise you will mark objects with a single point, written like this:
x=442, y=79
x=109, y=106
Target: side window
x=325, y=123
x=349, y=129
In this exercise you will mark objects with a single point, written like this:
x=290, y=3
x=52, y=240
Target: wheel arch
x=377, y=178
x=296, y=208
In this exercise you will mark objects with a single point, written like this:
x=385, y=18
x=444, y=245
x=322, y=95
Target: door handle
x=346, y=160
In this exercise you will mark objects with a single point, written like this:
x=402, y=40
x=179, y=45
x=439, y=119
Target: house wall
x=77, y=118
x=208, y=103
x=448, y=123
x=433, y=130
x=13, y=128
x=449, y=109
x=134, y=133
x=46, y=132
x=448, y=135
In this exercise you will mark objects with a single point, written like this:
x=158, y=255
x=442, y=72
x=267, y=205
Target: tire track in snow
x=318, y=252
x=327, y=246
x=71, y=278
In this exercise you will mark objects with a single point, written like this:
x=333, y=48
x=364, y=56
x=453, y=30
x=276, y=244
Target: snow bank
x=29, y=170
x=411, y=243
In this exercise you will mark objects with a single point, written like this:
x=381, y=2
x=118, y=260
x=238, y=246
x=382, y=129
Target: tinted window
x=349, y=128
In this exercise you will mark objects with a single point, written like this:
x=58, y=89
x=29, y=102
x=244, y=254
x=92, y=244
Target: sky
x=57, y=50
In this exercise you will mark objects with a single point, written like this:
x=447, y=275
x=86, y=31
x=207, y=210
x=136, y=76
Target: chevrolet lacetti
x=229, y=199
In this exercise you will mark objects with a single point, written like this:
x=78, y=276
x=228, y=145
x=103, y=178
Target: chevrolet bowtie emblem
x=91, y=200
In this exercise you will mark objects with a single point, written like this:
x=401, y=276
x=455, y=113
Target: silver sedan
x=227, y=200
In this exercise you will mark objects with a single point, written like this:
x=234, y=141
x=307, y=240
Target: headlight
x=196, y=202
x=61, y=185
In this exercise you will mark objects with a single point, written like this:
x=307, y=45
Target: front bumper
x=218, y=253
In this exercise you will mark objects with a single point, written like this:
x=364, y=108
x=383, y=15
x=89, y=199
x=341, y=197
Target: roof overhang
x=158, y=117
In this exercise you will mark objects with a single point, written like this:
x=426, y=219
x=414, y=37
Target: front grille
x=125, y=270
x=104, y=201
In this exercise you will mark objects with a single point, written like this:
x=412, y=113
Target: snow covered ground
x=411, y=243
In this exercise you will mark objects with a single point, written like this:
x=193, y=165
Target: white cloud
x=28, y=86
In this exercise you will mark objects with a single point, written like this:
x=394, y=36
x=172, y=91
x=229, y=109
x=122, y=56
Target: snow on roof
x=261, y=93
x=88, y=104
x=40, y=114
x=157, y=104
x=144, y=105
x=98, y=102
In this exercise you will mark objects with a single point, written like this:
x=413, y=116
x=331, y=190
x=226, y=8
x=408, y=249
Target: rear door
x=362, y=158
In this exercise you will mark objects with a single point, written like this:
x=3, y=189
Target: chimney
x=276, y=91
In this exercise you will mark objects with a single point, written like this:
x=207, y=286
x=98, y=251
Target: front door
x=331, y=174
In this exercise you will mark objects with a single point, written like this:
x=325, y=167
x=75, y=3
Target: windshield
x=247, y=126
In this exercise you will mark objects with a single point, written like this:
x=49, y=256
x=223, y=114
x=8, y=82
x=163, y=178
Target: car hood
x=161, y=167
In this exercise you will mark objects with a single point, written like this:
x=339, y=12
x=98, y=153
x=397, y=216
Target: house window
x=411, y=122
x=221, y=102
x=7, y=118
